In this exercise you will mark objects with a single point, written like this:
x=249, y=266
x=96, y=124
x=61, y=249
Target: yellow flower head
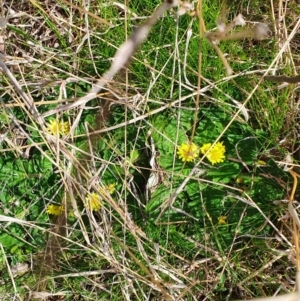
x=188, y=152
x=215, y=154
x=205, y=148
x=53, y=127
x=108, y=189
x=64, y=128
x=260, y=163
x=71, y=213
x=55, y=210
x=58, y=128
x=222, y=220
x=239, y=180
x=93, y=202
x=111, y=188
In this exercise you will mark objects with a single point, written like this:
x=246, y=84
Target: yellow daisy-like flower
x=216, y=154
x=53, y=127
x=222, y=220
x=93, y=202
x=219, y=147
x=108, y=189
x=55, y=210
x=111, y=188
x=205, y=148
x=188, y=152
x=64, y=127
x=58, y=128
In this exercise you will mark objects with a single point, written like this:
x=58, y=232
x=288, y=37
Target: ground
x=178, y=180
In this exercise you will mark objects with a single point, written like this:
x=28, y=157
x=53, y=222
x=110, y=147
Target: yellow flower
x=108, y=189
x=111, y=188
x=219, y=147
x=58, y=128
x=64, y=128
x=215, y=154
x=260, y=163
x=188, y=152
x=222, y=220
x=93, y=201
x=239, y=180
x=205, y=148
x=53, y=127
x=55, y=210
x=71, y=213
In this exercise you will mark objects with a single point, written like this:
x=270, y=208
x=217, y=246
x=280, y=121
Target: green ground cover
x=101, y=202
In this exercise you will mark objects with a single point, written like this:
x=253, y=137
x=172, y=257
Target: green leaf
x=224, y=172
x=160, y=195
x=166, y=133
x=9, y=241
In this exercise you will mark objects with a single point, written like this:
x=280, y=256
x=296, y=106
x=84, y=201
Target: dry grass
x=48, y=53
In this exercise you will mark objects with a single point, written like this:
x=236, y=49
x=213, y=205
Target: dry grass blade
x=27, y=100
x=121, y=57
x=138, y=213
x=287, y=297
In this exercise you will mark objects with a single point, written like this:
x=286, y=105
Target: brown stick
x=283, y=79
